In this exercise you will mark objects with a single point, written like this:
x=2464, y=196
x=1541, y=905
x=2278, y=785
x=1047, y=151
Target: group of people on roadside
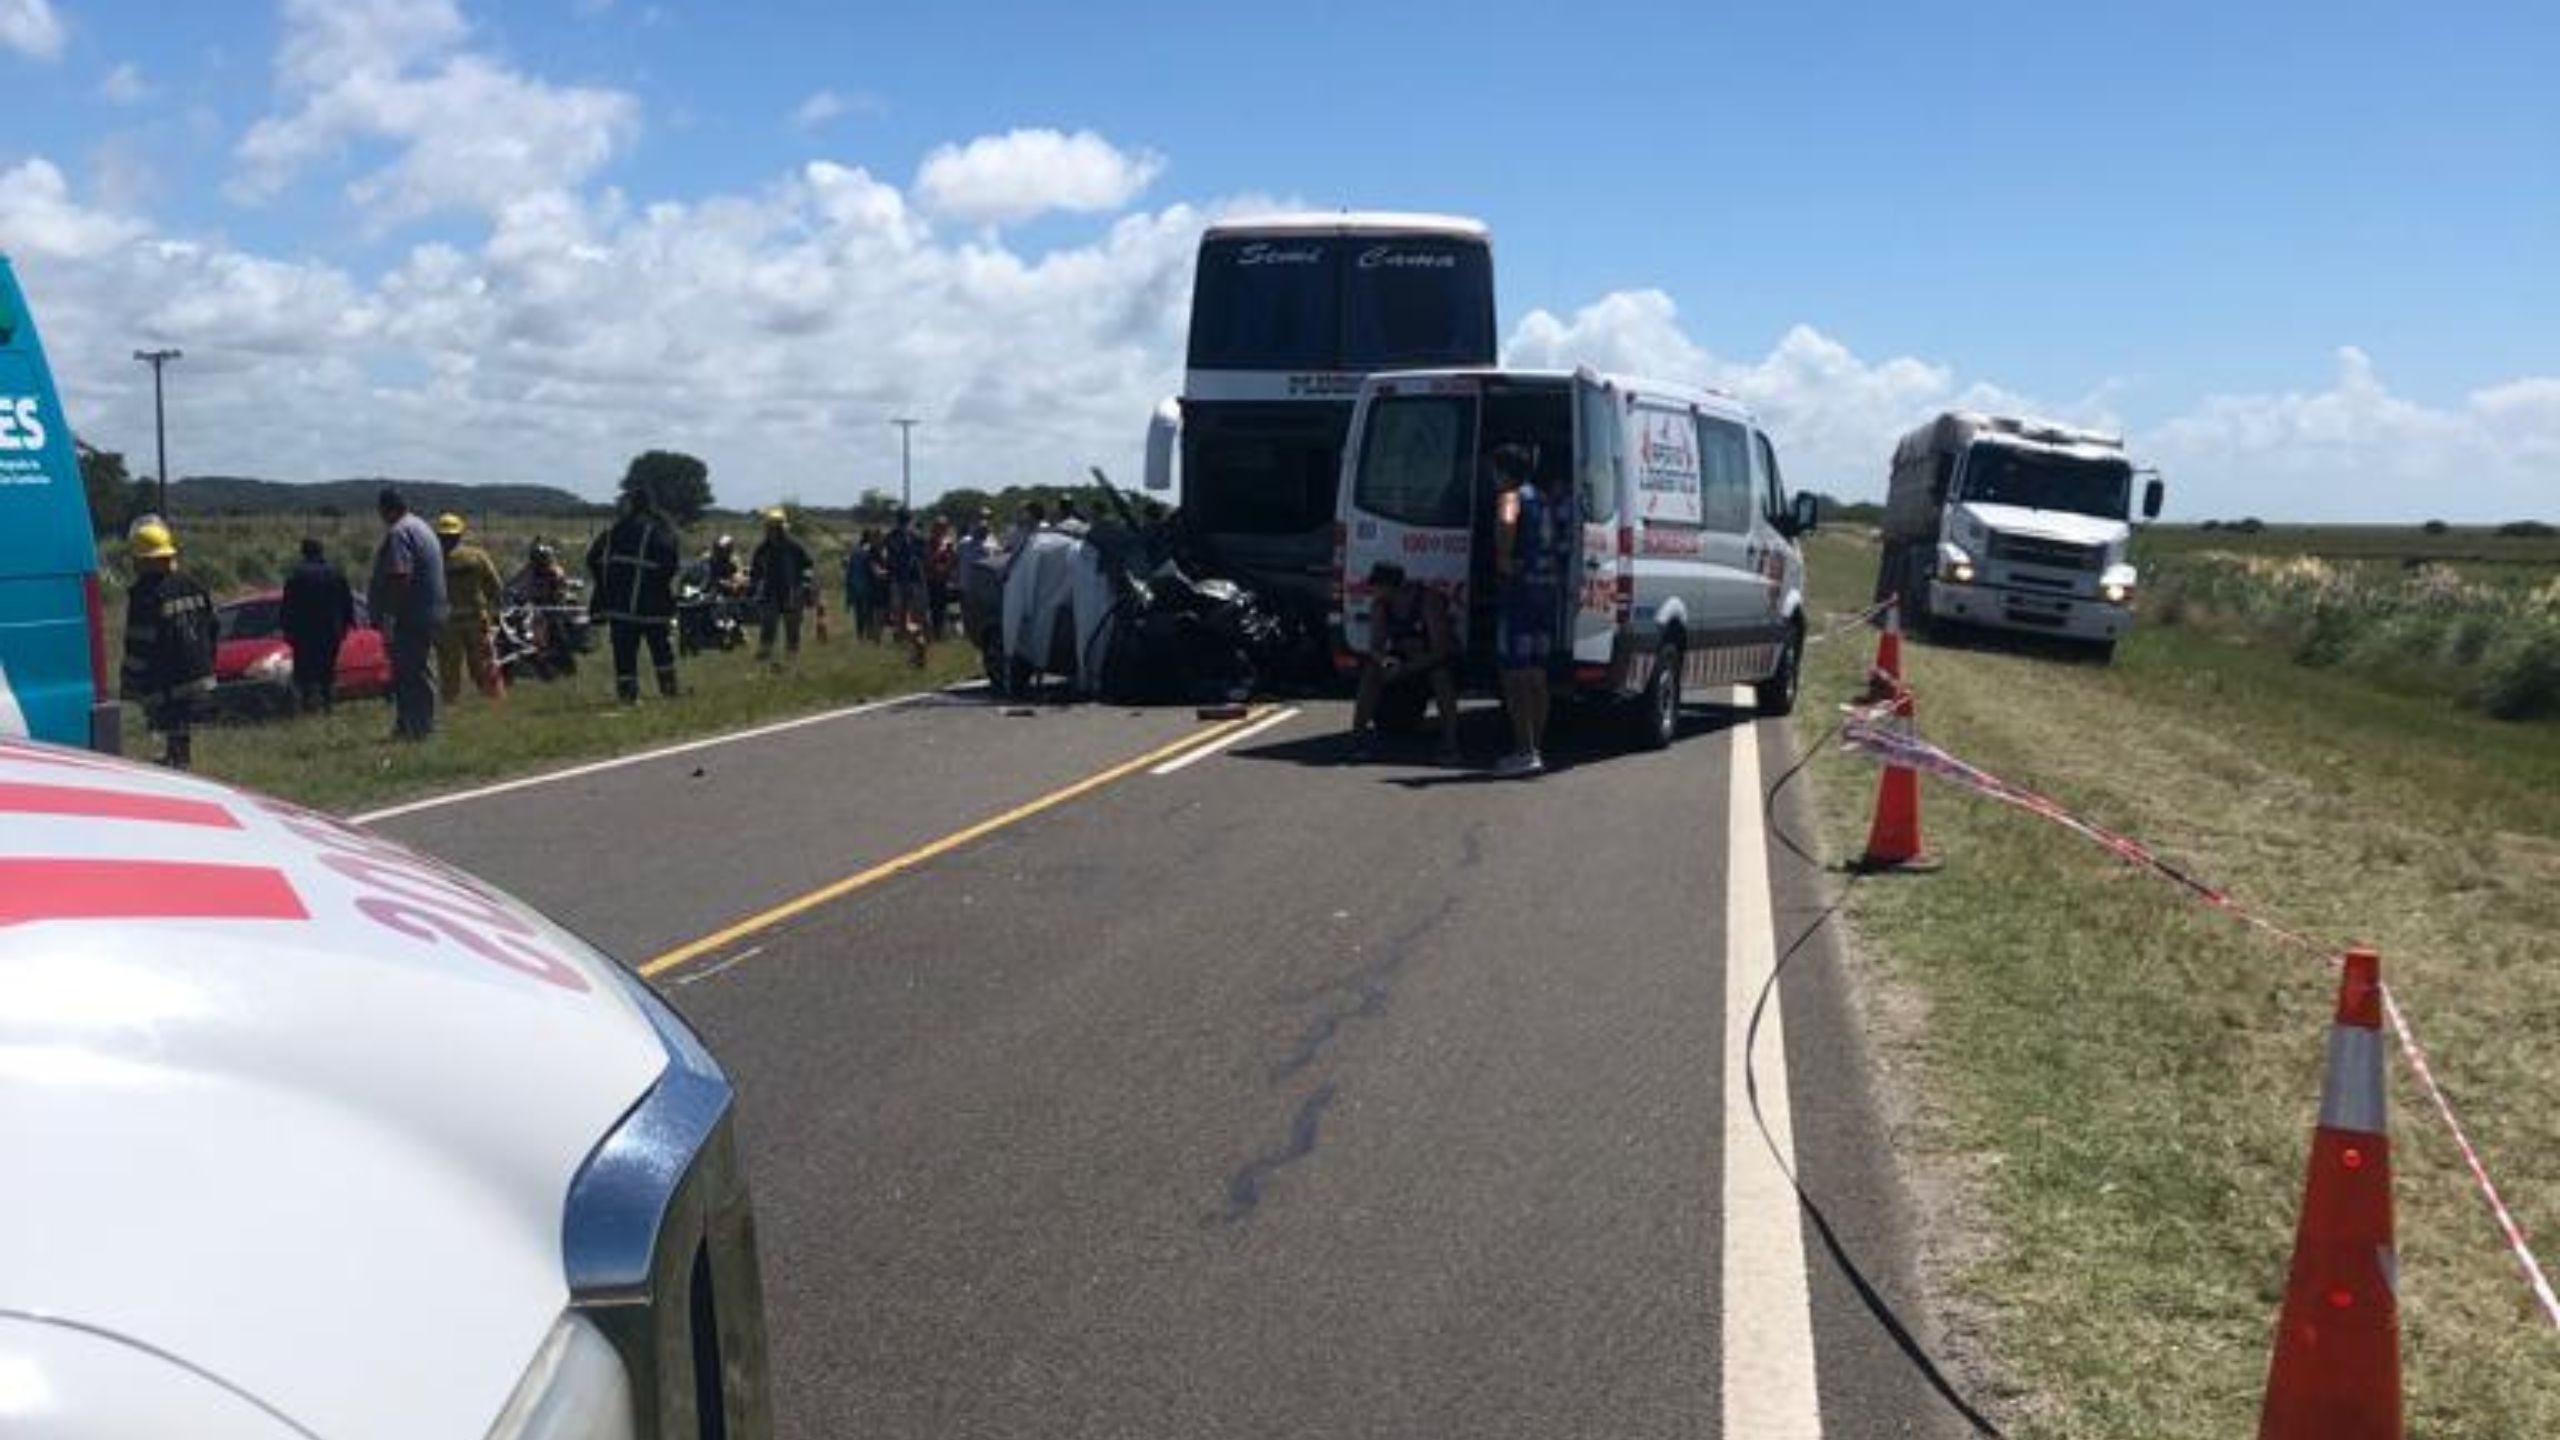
x=432, y=595
x=902, y=585
x=1413, y=638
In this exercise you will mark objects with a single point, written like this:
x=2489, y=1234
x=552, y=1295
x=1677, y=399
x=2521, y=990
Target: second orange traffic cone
x=2336, y=1371
x=1884, y=678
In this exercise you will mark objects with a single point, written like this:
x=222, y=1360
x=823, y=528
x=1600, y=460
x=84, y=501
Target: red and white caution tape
x=1842, y=625
x=2534, y=1279
x=1869, y=729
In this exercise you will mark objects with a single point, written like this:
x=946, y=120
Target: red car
x=253, y=666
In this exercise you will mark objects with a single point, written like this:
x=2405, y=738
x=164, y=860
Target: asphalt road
x=1272, y=1096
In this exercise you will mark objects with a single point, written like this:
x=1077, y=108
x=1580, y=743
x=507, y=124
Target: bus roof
x=1350, y=222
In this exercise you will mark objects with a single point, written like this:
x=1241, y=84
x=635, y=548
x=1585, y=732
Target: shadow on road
x=1581, y=736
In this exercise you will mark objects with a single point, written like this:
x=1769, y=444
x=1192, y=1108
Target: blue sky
x=2301, y=228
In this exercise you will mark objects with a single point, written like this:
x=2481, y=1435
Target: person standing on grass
x=632, y=570
x=408, y=600
x=471, y=589
x=169, y=639
x=778, y=582
x=1525, y=559
x=974, y=549
x=317, y=611
x=941, y=563
x=903, y=554
x=858, y=601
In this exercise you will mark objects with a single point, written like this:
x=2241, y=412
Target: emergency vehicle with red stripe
x=1681, y=571
x=311, y=1134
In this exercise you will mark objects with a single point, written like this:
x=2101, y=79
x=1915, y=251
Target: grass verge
x=2130, y=1081
x=345, y=762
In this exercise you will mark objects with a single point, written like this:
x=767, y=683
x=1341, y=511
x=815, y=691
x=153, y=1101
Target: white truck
x=312, y=1136
x=2018, y=524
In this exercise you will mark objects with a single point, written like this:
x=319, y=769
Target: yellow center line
x=838, y=889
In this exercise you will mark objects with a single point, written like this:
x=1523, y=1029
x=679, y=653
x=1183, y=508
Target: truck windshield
x=1334, y=302
x=2000, y=475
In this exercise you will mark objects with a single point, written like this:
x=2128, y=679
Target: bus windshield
x=1336, y=302
x=2002, y=475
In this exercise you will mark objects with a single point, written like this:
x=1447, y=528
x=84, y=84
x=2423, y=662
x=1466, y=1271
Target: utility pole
x=159, y=417
x=906, y=465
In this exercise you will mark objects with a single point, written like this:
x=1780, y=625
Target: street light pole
x=906, y=467
x=159, y=416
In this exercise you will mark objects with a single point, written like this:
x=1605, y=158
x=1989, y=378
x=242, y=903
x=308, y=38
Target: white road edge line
x=598, y=767
x=1768, y=1382
x=1271, y=721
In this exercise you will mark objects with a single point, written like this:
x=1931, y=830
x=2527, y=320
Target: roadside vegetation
x=2469, y=615
x=2123, y=1084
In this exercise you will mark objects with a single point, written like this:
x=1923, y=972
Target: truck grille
x=2059, y=554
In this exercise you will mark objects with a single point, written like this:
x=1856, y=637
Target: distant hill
x=238, y=495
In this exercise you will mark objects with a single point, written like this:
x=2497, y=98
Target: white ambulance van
x=1684, y=572
x=311, y=1135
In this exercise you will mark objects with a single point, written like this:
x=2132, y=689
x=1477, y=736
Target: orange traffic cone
x=1893, y=840
x=2336, y=1372
x=1884, y=678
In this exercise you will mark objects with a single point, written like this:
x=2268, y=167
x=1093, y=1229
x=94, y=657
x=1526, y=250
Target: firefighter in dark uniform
x=778, y=582
x=633, y=567
x=169, y=637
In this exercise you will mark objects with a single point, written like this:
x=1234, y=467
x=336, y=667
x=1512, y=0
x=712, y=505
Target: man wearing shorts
x=1411, y=642
x=904, y=555
x=1530, y=574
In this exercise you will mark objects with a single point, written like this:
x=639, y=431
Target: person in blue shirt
x=1530, y=569
x=903, y=554
x=407, y=597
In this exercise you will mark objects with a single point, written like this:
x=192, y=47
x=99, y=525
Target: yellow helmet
x=449, y=523
x=151, y=540
x=775, y=516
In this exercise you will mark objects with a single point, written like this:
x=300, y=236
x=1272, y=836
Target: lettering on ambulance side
x=21, y=427
x=423, y=901
x=1436, y=542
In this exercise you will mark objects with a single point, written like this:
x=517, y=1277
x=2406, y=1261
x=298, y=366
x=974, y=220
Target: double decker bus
x=1288, y=315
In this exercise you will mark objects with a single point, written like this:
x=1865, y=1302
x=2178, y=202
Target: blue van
x=53, y=639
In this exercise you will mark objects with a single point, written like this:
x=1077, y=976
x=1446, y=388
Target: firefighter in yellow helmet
x=468, y=636
x=169, y=638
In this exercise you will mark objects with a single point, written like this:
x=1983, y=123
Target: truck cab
x=2014, y=524
x=53, y=649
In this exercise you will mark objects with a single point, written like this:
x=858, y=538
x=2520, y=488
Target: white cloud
x=1834, y=416
x=31, y=28
x=818, y=109
x=1005, y=179
x=469, y=132
x=2357, y=451
x=40, y=221
x=2353, y=451
x=124, y=85
x=825, y=105
x=770, y=332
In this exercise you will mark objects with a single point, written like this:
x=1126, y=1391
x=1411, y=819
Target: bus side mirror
x=2152, y=494
x=1804, y=514
x=1164, y=436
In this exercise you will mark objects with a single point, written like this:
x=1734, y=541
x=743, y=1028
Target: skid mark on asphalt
x=1245, y=1187
x=1359, y=995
